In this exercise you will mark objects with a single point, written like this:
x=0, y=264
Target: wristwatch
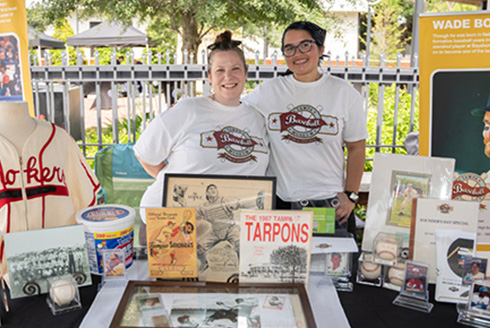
x=352, y=196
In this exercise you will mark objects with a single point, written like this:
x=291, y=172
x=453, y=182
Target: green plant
x=360, y=212
x=107, y=135
x=388, y=126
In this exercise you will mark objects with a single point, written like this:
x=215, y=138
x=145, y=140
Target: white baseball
x=397, y=275
x=62, y=292
x=370, y=270
x=386, y=251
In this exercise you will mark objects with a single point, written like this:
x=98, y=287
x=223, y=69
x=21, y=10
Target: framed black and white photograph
x=218, y=199
x=35, y=255
x=202, y=304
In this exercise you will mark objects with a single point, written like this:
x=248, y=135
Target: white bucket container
x=107, y=227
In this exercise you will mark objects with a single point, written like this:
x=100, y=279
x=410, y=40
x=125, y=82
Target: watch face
x=354, y=197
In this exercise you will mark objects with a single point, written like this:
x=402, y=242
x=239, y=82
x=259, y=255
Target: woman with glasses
x=207, y=135
x=310, y=117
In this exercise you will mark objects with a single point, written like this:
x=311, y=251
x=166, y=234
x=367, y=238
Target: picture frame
x=480, y=297
x=474, y=268
x=405, y=186
x=209, y=303
x=338, y=264
x=218, y=200
x=387, y=170
x=414, y=293
x=415, y=283
x=35, y=255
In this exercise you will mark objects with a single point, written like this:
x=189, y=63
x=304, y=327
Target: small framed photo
x=114, y=263
x=338, y=264
x=480, y=297
x=149, y=302
x=405, y=187
x=415, y=282
x=474, y=268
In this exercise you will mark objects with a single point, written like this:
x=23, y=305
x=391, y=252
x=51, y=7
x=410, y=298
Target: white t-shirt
x=201, y=136
x=307, y=125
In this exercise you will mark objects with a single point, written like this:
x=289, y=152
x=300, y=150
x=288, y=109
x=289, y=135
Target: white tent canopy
x=43, y=41
x=109, y=34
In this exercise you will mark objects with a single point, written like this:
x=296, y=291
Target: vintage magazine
x=172, y=249
x=35, y=255
x=396, y=181
x=275, y=246
x=450, y=245
x=431, y=214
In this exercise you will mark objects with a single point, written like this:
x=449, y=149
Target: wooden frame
x=298, y=306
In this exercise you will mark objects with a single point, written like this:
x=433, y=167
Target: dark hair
x=317, y=33
x=223, y=42
x=338, y=254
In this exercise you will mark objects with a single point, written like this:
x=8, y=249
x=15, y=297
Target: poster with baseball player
x=218, y=200
x=15, y=82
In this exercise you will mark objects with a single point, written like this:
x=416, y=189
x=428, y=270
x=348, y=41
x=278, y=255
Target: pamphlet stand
x=414, y=293
x=475, y=313
x=369, y=273
x=114, y=262
x=387, y=248
x=63, y=294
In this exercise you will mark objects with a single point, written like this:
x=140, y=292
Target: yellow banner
x=454, y=81
x=15, y=77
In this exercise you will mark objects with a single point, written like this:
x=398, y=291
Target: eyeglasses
x=303, y=47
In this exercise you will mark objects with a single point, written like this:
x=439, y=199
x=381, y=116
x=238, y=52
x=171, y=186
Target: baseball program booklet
x=431, y=214
x=275, y=246
x=171, y=235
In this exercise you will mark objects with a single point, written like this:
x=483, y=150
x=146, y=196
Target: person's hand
x=344, y=209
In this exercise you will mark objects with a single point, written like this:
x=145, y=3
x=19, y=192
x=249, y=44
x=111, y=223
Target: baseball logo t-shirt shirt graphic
x=233, y=144
x=302, y=124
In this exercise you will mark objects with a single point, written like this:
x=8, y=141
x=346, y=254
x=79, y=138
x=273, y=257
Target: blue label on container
x=105, y=214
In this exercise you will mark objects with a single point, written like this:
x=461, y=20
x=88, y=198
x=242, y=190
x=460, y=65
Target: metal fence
x=101, y=105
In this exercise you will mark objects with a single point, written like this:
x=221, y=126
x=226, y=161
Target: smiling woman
x=207, y=135
x=311, y=116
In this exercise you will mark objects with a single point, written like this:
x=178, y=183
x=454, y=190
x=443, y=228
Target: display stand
x=414, y=293
x=369, y=273
x=476, y=312
x=63, y=294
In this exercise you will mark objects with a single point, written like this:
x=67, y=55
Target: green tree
x=191, y=19
x=62, y=30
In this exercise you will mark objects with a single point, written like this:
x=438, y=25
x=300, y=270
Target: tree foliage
x=191, y=19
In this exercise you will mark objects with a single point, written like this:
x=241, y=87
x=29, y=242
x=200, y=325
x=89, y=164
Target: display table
x=322, y=294
x=365, y=307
